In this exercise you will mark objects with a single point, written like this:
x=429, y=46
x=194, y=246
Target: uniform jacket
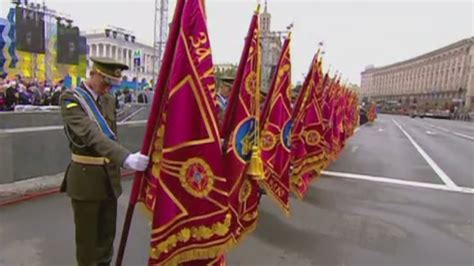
x=91, y=182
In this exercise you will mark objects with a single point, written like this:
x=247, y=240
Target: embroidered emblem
x=251, y=83
x=268, y=140
x=286, y=134
x=312, y=137
x=245, y=138
x=196, y=177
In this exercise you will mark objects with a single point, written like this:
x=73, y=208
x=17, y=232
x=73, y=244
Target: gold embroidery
x=251, y=83
x=245, y=191
x=196, y=177
x=268, y=140
x=312, y=137
x=250, y=216
x=311, y=160
x=198, y=233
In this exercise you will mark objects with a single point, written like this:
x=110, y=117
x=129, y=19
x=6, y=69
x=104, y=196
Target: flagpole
x=154, y=118
x=255, y=167
x=266, y=105
x=258, y=83
x=234, y=96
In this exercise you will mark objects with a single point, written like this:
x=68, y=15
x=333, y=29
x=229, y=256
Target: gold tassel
x=256, y=164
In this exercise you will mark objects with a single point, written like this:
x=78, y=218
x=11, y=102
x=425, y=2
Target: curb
x=44, y=192
x=28, y=196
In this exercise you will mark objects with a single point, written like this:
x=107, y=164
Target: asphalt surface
x=342, y=221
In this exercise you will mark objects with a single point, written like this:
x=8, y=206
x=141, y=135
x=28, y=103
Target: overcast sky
x=355, y=33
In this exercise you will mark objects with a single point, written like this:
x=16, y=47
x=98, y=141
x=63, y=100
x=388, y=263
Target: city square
x=194, y=133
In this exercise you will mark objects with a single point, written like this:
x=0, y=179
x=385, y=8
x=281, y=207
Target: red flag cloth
x=326, y=116
x=185, y=187
x=335, y=120
x=276, y=128
x=343, y=113
x=238, y=132
x=328, y=113
x=372, y=113
x=308, y=144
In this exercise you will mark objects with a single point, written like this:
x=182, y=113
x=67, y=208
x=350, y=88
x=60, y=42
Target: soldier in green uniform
x=92, y=179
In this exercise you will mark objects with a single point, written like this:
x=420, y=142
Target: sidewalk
x=35, y=187
x=30, y=188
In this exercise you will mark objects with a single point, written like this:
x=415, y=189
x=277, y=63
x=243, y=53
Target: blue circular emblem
x=245, y=138
x=286, y=134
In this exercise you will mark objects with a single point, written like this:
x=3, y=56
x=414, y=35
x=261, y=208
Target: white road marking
x=428, y=159
x=466, y=190
x=354, y=149
x=431, y=133
x=442, y=128
x=380, y=129
x=463, y=136
x=452, y=132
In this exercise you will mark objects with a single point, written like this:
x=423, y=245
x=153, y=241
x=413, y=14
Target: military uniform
x=92, y=179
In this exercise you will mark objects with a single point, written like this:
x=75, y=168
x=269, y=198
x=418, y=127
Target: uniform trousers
x=95, y=231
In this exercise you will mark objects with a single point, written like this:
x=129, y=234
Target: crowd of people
x=17, y=91
x=126, y=96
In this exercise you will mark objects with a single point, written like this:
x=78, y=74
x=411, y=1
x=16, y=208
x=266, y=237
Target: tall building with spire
x=271, y=47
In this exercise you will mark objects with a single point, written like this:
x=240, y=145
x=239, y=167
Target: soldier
x=225, y=87
x=92, y=179
x=223, y=94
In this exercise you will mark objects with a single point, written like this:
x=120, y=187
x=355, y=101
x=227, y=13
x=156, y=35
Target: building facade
x=271, y=48
x=121, y=46
x=442, y=79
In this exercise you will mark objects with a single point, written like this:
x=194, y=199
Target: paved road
x=342, y=221
x=453, y=154
x=456, y=126
x=381, y=149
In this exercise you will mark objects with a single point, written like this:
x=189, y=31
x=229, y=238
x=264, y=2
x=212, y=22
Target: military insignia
x=312, y=137
x=245, y=191
x=196, y=177
x=244, y=139
x=251, y=83
x=268, y=140
x=286, y=134
x=70, y=105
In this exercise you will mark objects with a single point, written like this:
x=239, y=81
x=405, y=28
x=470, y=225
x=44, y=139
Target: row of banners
x=203, y=186
x=33, y=47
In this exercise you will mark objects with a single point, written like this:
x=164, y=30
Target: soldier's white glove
x=136, y=161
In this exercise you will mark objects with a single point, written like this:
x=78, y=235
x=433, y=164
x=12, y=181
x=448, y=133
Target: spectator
x=47, y=95
x=2, y=94
x=25, y=95
x=37, y=95
x=149, y=95
x=11, y=96
x=57, y=92
x=119, y=100
x=127, y=96
x=142, y=98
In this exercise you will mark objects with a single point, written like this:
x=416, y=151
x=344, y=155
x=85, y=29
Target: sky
x=355, y=33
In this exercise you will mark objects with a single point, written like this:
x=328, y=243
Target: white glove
x=136, y=161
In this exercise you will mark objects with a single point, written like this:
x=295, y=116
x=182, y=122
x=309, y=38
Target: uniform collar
x=94, y=95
